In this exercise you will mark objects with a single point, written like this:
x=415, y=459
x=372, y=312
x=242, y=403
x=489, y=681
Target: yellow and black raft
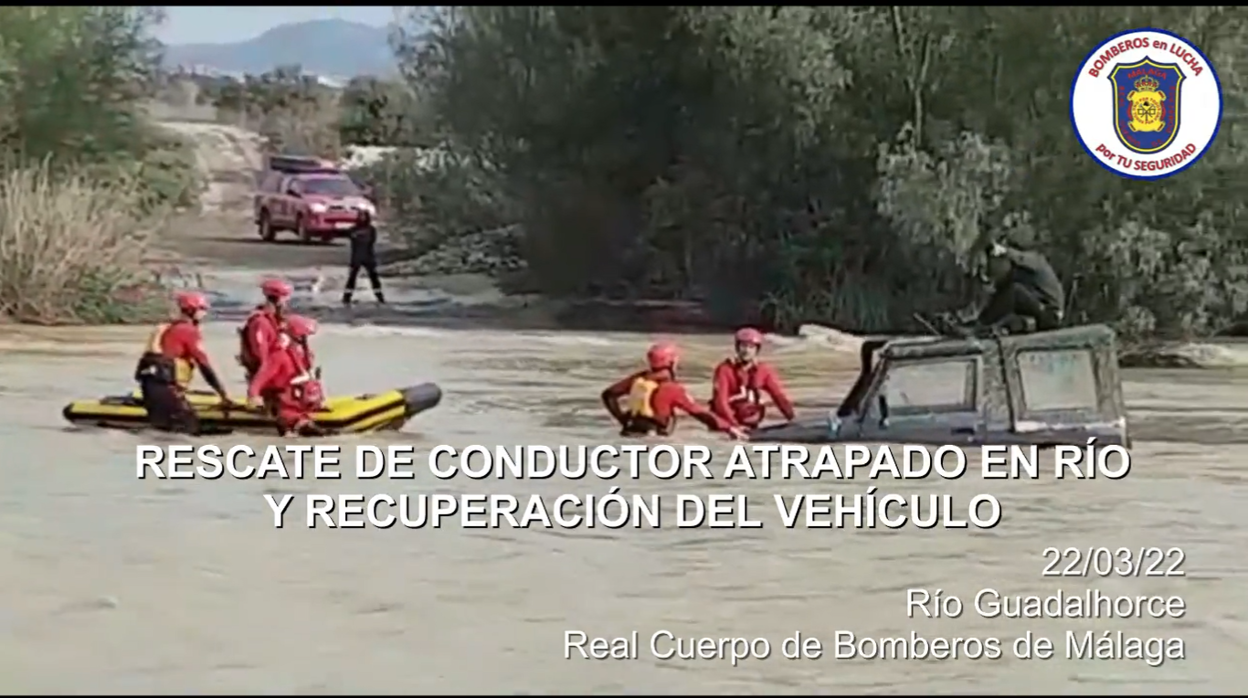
x=348, y=414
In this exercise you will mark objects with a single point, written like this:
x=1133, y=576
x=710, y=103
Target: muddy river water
x=110, y=583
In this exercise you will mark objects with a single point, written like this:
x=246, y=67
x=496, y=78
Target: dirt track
x=231, y=240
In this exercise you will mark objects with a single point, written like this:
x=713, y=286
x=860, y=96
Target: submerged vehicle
x=358, y=414
x=1044, y=388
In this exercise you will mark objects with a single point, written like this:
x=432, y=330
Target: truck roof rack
x=298, y=164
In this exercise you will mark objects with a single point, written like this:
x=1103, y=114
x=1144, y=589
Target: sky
x=194, y=25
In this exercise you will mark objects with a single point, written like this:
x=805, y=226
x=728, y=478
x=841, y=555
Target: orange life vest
x=155, y=364
x=638, y=401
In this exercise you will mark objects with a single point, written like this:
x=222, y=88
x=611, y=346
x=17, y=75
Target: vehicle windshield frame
x=972, y=385
x=852, y=402
x=342, y=186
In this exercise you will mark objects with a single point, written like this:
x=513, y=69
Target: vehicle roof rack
x=298, y=164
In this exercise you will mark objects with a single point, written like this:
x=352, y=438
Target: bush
x=72, y=228
x=71, y=250
x=167, y=174
x=433, y=195
x=292, y=111
x=162, y=176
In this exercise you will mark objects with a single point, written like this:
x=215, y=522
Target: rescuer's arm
x=611, y=397
x=721, y=390
x=684, y=403
x=195, y=353
x=263, y=338
x=214, y=382
x=775, y=389
x=266, y=377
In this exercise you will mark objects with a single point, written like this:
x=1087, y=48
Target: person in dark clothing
x=1027, y=295
x=363, y=256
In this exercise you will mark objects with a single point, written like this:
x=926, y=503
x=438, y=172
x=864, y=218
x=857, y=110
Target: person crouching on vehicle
x=260, y=331
x=285, y=385
x=1027, y=297
x=741, y=381
x=174, y=350
x=647, y=401
x=1027, y=294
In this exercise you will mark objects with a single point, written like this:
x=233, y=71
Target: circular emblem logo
x=1146, y=104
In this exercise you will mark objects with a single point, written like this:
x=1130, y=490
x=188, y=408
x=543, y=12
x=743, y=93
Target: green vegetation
x=297, y=114
x=380, y=113
x=839, y=165
x=835, y=164
x=83, y=178
x=290, y=110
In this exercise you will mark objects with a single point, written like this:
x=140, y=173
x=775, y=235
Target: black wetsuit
x=363, y=256
x=167, y=408
x=1029, y=294
x=164, y=401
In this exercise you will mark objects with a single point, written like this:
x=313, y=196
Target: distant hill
x=329, y=47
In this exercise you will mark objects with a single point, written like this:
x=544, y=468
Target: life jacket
x=301, y=351
x=156, y=366
x=638, y=402
x=748, y=393
x=246, y=353
x=306, y=390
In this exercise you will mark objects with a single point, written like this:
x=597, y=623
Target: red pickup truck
x=313, y=199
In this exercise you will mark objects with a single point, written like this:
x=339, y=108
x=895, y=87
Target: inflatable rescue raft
x=352, y=414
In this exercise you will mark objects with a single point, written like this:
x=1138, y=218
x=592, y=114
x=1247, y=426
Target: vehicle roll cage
x=867, y=358
x=999, y=409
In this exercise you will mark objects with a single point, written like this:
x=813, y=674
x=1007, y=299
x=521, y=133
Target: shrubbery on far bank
x=84, y=178
x=832, y=164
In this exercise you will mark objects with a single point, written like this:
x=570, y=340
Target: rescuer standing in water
x=285, y=384
x=1027, y=295
x=741, y=381
x=174, y=350
x=260, y=332
x=647, y=401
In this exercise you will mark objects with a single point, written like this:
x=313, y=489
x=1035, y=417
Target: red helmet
x=662, y=355
x=276, y=289
x=299, y=327
x=191, y=301
x=749, y=335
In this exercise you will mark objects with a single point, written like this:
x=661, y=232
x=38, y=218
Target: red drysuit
x=737, y=396
x=286, y=384
x=257, y=338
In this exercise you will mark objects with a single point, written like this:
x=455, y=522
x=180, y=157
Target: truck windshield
x=330, y=186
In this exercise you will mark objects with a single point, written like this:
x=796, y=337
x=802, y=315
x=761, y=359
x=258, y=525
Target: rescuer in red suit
x=741, y=381
x=647, y=402
x=285, y=384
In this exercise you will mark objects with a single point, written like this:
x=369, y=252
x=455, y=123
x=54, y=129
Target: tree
x=82, y=173
x=378, y=112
